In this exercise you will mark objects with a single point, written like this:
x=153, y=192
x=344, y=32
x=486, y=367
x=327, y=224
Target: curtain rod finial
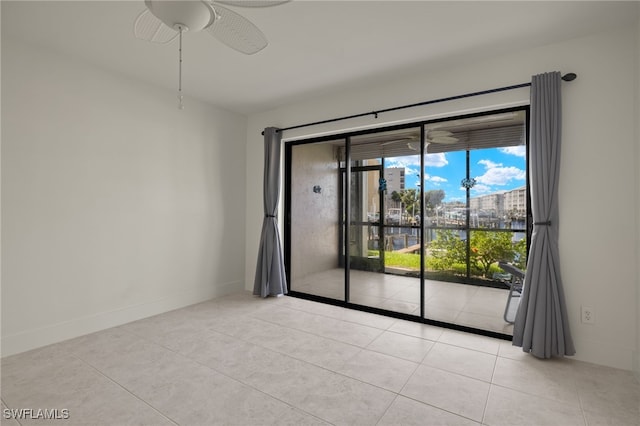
x=569, y=76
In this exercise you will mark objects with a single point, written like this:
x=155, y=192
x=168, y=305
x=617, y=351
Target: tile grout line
x=535, y=396
x=338, y=373
x=387, y=409
x=345, y=320
x=418, y=364
x=319, y=335
x=491, y=384
x=125, y=389
x=439, y=408
x=5, y=404
x=582, y=410
x=203, y=365
x=344, y=376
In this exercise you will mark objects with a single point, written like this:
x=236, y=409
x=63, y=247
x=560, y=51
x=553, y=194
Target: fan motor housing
x=187, y=14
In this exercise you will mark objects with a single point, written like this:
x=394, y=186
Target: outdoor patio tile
x=400, y=306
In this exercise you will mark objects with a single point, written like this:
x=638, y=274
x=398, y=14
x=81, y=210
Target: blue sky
x=495, y=170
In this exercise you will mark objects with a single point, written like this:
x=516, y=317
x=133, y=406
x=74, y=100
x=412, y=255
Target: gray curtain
x=541, y=326
x=270, y=275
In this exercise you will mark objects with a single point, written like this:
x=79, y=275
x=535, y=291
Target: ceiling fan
x=432, y=136
x=165, y=20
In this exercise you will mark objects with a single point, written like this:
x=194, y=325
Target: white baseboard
x=604, y=353
x=54, y=333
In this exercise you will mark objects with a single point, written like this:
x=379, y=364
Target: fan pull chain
x=180, y=105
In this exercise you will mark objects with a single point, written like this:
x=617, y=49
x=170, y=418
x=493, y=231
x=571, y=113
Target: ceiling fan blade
x=407, y=139
x=248, y=3
x=149, y=28
x=237, y=32
x=443, y=140
x=438, y=133
x=438, y=139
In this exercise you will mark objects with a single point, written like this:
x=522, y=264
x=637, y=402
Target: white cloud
x=518, y=151
x=431, y=160
x=496, y=174
x=406, y=161
x=435, y=180
x=436, y=160
x=489, y=164
x=411, y=171
x=501, y=175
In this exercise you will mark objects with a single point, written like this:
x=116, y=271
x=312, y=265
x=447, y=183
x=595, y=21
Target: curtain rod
x=567, y=77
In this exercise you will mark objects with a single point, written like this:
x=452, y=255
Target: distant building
x=370, y=187
x=515, y=202
x=395, y=177
x=508, y=203
x=492, y=204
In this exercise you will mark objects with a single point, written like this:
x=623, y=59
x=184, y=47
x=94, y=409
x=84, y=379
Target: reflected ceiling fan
x=432, y=136
x=165, y=20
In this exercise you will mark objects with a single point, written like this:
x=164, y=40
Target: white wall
x=599, y=232
x=115, y=204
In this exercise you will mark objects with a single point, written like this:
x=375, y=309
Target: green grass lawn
x=412, y=261
x=401, y=260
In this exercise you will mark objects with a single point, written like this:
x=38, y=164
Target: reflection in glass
x=385, y=219
x=475, y=214
x=377, y=227
x=315, y=261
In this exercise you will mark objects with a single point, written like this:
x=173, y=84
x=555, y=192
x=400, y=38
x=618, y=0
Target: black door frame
x=347, y=170
x=342, y=211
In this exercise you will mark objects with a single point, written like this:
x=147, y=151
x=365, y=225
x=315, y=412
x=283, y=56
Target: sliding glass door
x=412, y=220
x=476, y=215
x=314, y=226
x=385, y=237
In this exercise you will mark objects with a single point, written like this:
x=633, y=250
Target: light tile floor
x=241, y=360
x=461, y=304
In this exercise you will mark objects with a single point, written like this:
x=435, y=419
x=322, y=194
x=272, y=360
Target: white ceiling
x=315, y=46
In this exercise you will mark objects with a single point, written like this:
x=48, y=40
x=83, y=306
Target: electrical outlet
x=588, y=315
